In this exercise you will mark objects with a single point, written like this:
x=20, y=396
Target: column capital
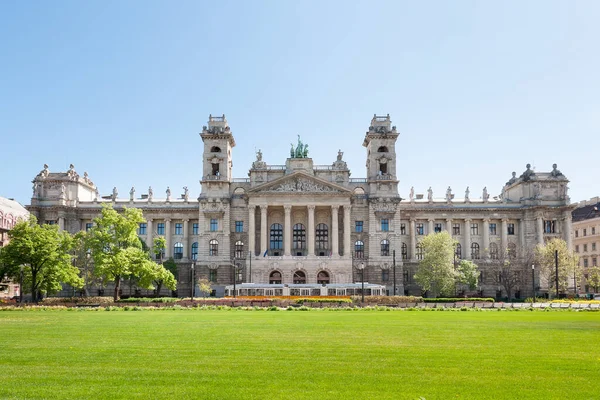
x=347, y=207
x=287, y=208
x=167, y=219
x=186, y=220
x=468, y=220
x=412, y=219
x=149, y=219
x=335, y=207
x=263, y=207
x=311, y=207
x=505, y=220
x=486, y=219
x=430, y=219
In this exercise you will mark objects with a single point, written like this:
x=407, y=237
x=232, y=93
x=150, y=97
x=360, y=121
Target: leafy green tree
x=160, y=244
x=82, y=259
x=44, y=254
x=166, y=276
x=507, y=274
x=593, y=277
x=204, y=286
x=568, y=264
x=436, y=270
x=117, y=251
x=467, y=273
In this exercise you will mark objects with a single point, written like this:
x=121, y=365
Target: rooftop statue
x=301, y=150
x=528, y=174
x=512, y=180
x=555, y=172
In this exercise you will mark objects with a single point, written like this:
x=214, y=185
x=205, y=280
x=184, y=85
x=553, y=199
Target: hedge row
x=388, y=299
x=460, y=300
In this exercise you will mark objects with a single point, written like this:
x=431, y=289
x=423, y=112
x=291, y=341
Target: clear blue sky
x=477, y=89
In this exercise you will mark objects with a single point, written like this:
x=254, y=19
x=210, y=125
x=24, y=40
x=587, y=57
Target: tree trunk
x=158, y=287
x=117, y=288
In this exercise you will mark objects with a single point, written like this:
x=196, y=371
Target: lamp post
x=193, y=283
x=533, y=281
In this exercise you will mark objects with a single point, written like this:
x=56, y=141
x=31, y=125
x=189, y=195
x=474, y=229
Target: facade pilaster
x=311, y=230
x=251, y=229
x=186, y=234
x=467, y=244
x=334, y=231
x=61, y=223
x=430, y=225
x=347, y=251
x=522, y=237
x=149, y=235
x=449, y=226
x=263, y=229
x=504, y=236
x=287, y=230
x=568, y=225
x=168, y=250
x=413, y=240
x=486, y=238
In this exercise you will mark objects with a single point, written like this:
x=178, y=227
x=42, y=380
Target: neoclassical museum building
x=300, y=223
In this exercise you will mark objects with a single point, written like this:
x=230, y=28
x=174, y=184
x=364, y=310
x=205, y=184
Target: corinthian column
x=334, y=231
x=251, y=229
x=311, y=230
x=347, y=245
x=567, y=229
x=287, y=230
x=486, y=238
x=168, y=238
x=430, y=226
x=468, y=239
x=149, y=235
x=540, y=230
x=413, y=240
x=263, y=229
x=504, y=236
x=185, y=238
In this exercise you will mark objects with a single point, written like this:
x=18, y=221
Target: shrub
x=388, y=299
x=459, y=299
x=77, y=300
x=149, y=300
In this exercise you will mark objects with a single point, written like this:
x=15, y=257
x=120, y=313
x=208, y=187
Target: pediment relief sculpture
x=301, y=185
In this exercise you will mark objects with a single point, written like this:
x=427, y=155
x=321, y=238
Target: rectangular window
x=385, y=225
x=141, y=230
x=594, y=246
x=239, y=226
x=420, y=229
x=212, y=275
x=576, y=233
x=584, y=248
x=195, y=228
x=593, y=231
x=179, y=228
x=594, y=262
x=493, y=229
x=585, y=262
x=214, y=225
x=456, y=229
x=511, y=229
x=584, y=232
x=160, y=228
x=437, y=228
x=550, y=228
x=50, y=222
x=358, y=226
x=403, y=229
x=385, y=275
x=576, y=248
x=475, y=229
x=89, y=225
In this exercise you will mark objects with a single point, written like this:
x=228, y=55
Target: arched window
x=323, y=278
x=178, y=251
x=299, y=239
x=195, y=251
x=404, y=251
x=322, y=238
x=359, y=249
x=458, y=251
x=275, y=277
x=385, y=247
x=215, y=149
x=419, y=250
x=213, y=247
x=299, y=277
x=276, y=241
x=239, y=249
x=475, y=251
x=493, y=251
x=382, y=149
x=512, y=251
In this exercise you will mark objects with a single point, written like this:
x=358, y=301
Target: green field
x=319, y=354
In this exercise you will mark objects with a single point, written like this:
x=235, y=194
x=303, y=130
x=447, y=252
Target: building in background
x=11, y=212
x=302, y=223
x=586, y=236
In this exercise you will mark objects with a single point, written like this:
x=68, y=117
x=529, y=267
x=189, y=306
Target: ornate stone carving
x=44, y=173
x=186, y=193
x=132, y=193
x=150, y=193
x=430, y=194
x=72, y=174
x=513, y=179
x=449, y=194
x=528, y=174
x=301, y=185
x=168, y=191
x=301, y=150
x=384, y=206
x=115, y=193
x=485, y=196
x=556, y=173
x=411, y=196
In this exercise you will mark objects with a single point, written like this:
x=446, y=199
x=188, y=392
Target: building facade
x=11, y=212
x=586, y=237
x=298, y=222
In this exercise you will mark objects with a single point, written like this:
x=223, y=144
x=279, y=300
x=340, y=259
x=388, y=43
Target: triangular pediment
x=300, y=183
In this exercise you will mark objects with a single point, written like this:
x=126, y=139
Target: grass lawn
x=299, y=355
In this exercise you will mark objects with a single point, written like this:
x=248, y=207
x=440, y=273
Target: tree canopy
x=436, y=270
x=568, y=264
x=117, y=251
x=43, y=251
